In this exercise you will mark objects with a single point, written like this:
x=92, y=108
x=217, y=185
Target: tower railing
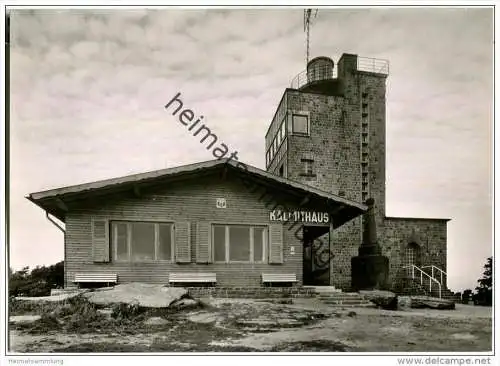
x=417, y=273
x=324, y=72
x=316, y=73
x=437, y=270
x=374, y=65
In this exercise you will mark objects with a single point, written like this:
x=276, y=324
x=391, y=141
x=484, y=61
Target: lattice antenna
x=307, y=23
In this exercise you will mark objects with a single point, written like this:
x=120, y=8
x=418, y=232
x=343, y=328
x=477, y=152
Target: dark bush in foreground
x=484, y=292
x=37, y=282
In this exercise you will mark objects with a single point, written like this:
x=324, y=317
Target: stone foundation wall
x=251, y=292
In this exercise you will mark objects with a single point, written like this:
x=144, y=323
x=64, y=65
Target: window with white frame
x=300, y=124
x=239, y=243
x=134, y=241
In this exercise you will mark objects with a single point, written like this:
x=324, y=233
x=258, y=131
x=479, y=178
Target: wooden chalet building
x=218, y=223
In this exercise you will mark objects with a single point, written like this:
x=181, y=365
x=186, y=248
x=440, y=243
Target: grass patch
x=172, y=347
x=78, y=315
x=311, y=346
x=191, y=332
x=24, y=307
x=73, y=315
x=167, y=346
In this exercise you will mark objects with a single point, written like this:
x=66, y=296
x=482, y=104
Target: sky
x=88, y=89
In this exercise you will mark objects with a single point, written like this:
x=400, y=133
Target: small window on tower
x=308, y=168
x=281, y=171
x=300, y=124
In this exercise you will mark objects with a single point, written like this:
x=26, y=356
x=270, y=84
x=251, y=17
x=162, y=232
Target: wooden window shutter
x=203, y=243
x=182, y=242
x=194, y=240
x=100, y=240
x=276, y=243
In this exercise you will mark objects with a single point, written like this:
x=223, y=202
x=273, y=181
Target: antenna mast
x=307, y=22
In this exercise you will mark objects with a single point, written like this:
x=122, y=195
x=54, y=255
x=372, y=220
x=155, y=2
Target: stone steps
x=412, y=287
x=343, y=299
x=348, y=303
x=363, y=305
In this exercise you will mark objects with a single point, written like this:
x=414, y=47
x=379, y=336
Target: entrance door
x=317, y=255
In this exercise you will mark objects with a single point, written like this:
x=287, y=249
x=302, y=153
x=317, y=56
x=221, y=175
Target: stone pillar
x=370, y=269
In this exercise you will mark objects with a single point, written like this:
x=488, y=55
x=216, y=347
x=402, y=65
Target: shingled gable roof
x=54, y=201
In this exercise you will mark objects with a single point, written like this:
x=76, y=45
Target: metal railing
x=325, y=72
x=375, y=65
x=438, y=270
x=316, y=73
x=422, y=274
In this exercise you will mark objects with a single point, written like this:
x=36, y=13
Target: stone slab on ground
x=464, y=336
x=385, y=299
x=258, y=321
x=203, y=317
x=54, y=298
x=141, y=294
x=16, y=319
x=61, y=291
x=155, y=320
x=106, y=312
x=404, y=302
x=421, y=302
x=185, y=303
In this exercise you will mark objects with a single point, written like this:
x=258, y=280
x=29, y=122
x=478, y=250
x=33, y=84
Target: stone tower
x=329, y=132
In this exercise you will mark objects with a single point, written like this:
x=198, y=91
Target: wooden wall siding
x=182, y=202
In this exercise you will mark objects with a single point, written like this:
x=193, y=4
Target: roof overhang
x=60, y=200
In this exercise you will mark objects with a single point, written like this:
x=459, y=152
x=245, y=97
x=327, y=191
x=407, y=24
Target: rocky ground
x=237, y=325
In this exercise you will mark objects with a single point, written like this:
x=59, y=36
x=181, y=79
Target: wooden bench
x=192, y=277
x=269, y=278
x=96, y=278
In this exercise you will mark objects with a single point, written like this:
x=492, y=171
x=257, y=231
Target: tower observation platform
x=321, y=69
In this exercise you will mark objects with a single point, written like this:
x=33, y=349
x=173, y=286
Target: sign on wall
x=300, y=216
x=220, y=203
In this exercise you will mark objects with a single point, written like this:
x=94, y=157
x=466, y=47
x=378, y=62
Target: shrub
x=37, y=282
x=126, y=311
x=484, y=292
x=466, y=296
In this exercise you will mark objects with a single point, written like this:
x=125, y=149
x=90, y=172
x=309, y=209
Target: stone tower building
x=329, y=132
